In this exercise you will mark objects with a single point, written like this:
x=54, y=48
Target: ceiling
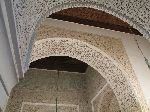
x=86, y=16
x=93, y=17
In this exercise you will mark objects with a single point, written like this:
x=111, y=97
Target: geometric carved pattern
x=119, y=81
x=30, y=13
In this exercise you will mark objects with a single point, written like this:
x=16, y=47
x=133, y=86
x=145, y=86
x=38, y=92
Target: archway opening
x=62, y=63
x=63, y=50
x=100, y=66
x=75, y=90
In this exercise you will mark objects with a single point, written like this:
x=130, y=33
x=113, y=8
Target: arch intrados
x=116, y=78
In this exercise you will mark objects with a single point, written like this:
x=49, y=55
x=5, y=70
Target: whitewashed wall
x=138, y=62
x=7, y=68
x=3, y=97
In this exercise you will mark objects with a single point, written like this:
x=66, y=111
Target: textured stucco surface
x=106, y=101
x=95, y=82
x=114, y=74
x=37, y=92
x=110, y=45
x=39, y=86
x=100, y=97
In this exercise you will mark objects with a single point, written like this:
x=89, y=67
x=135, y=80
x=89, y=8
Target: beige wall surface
x=7, y=69
x=138, y=62
x=135, y=57
x=100, y=95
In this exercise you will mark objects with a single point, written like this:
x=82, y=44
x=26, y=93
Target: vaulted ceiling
x=93, y=17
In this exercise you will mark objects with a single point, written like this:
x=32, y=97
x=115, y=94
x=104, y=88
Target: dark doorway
x=62, y=63
x=94, y=17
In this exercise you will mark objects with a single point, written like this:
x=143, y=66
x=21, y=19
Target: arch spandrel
x=117, y=78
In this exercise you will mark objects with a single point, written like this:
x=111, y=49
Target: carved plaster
x=119, y=81
x=29, y=14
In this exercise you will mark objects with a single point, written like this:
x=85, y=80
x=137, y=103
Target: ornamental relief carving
x=30, y=13
x=111, y=46
x=124, y=89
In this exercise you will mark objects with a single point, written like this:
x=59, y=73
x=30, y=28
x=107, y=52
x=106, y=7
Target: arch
x=26, y=14
x=117, y=78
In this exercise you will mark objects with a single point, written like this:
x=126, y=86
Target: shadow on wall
x=62, y=63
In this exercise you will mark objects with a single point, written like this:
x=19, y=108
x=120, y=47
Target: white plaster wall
x=138, y=62
x=3, y=97
x=7, y=68
x=6, y=62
